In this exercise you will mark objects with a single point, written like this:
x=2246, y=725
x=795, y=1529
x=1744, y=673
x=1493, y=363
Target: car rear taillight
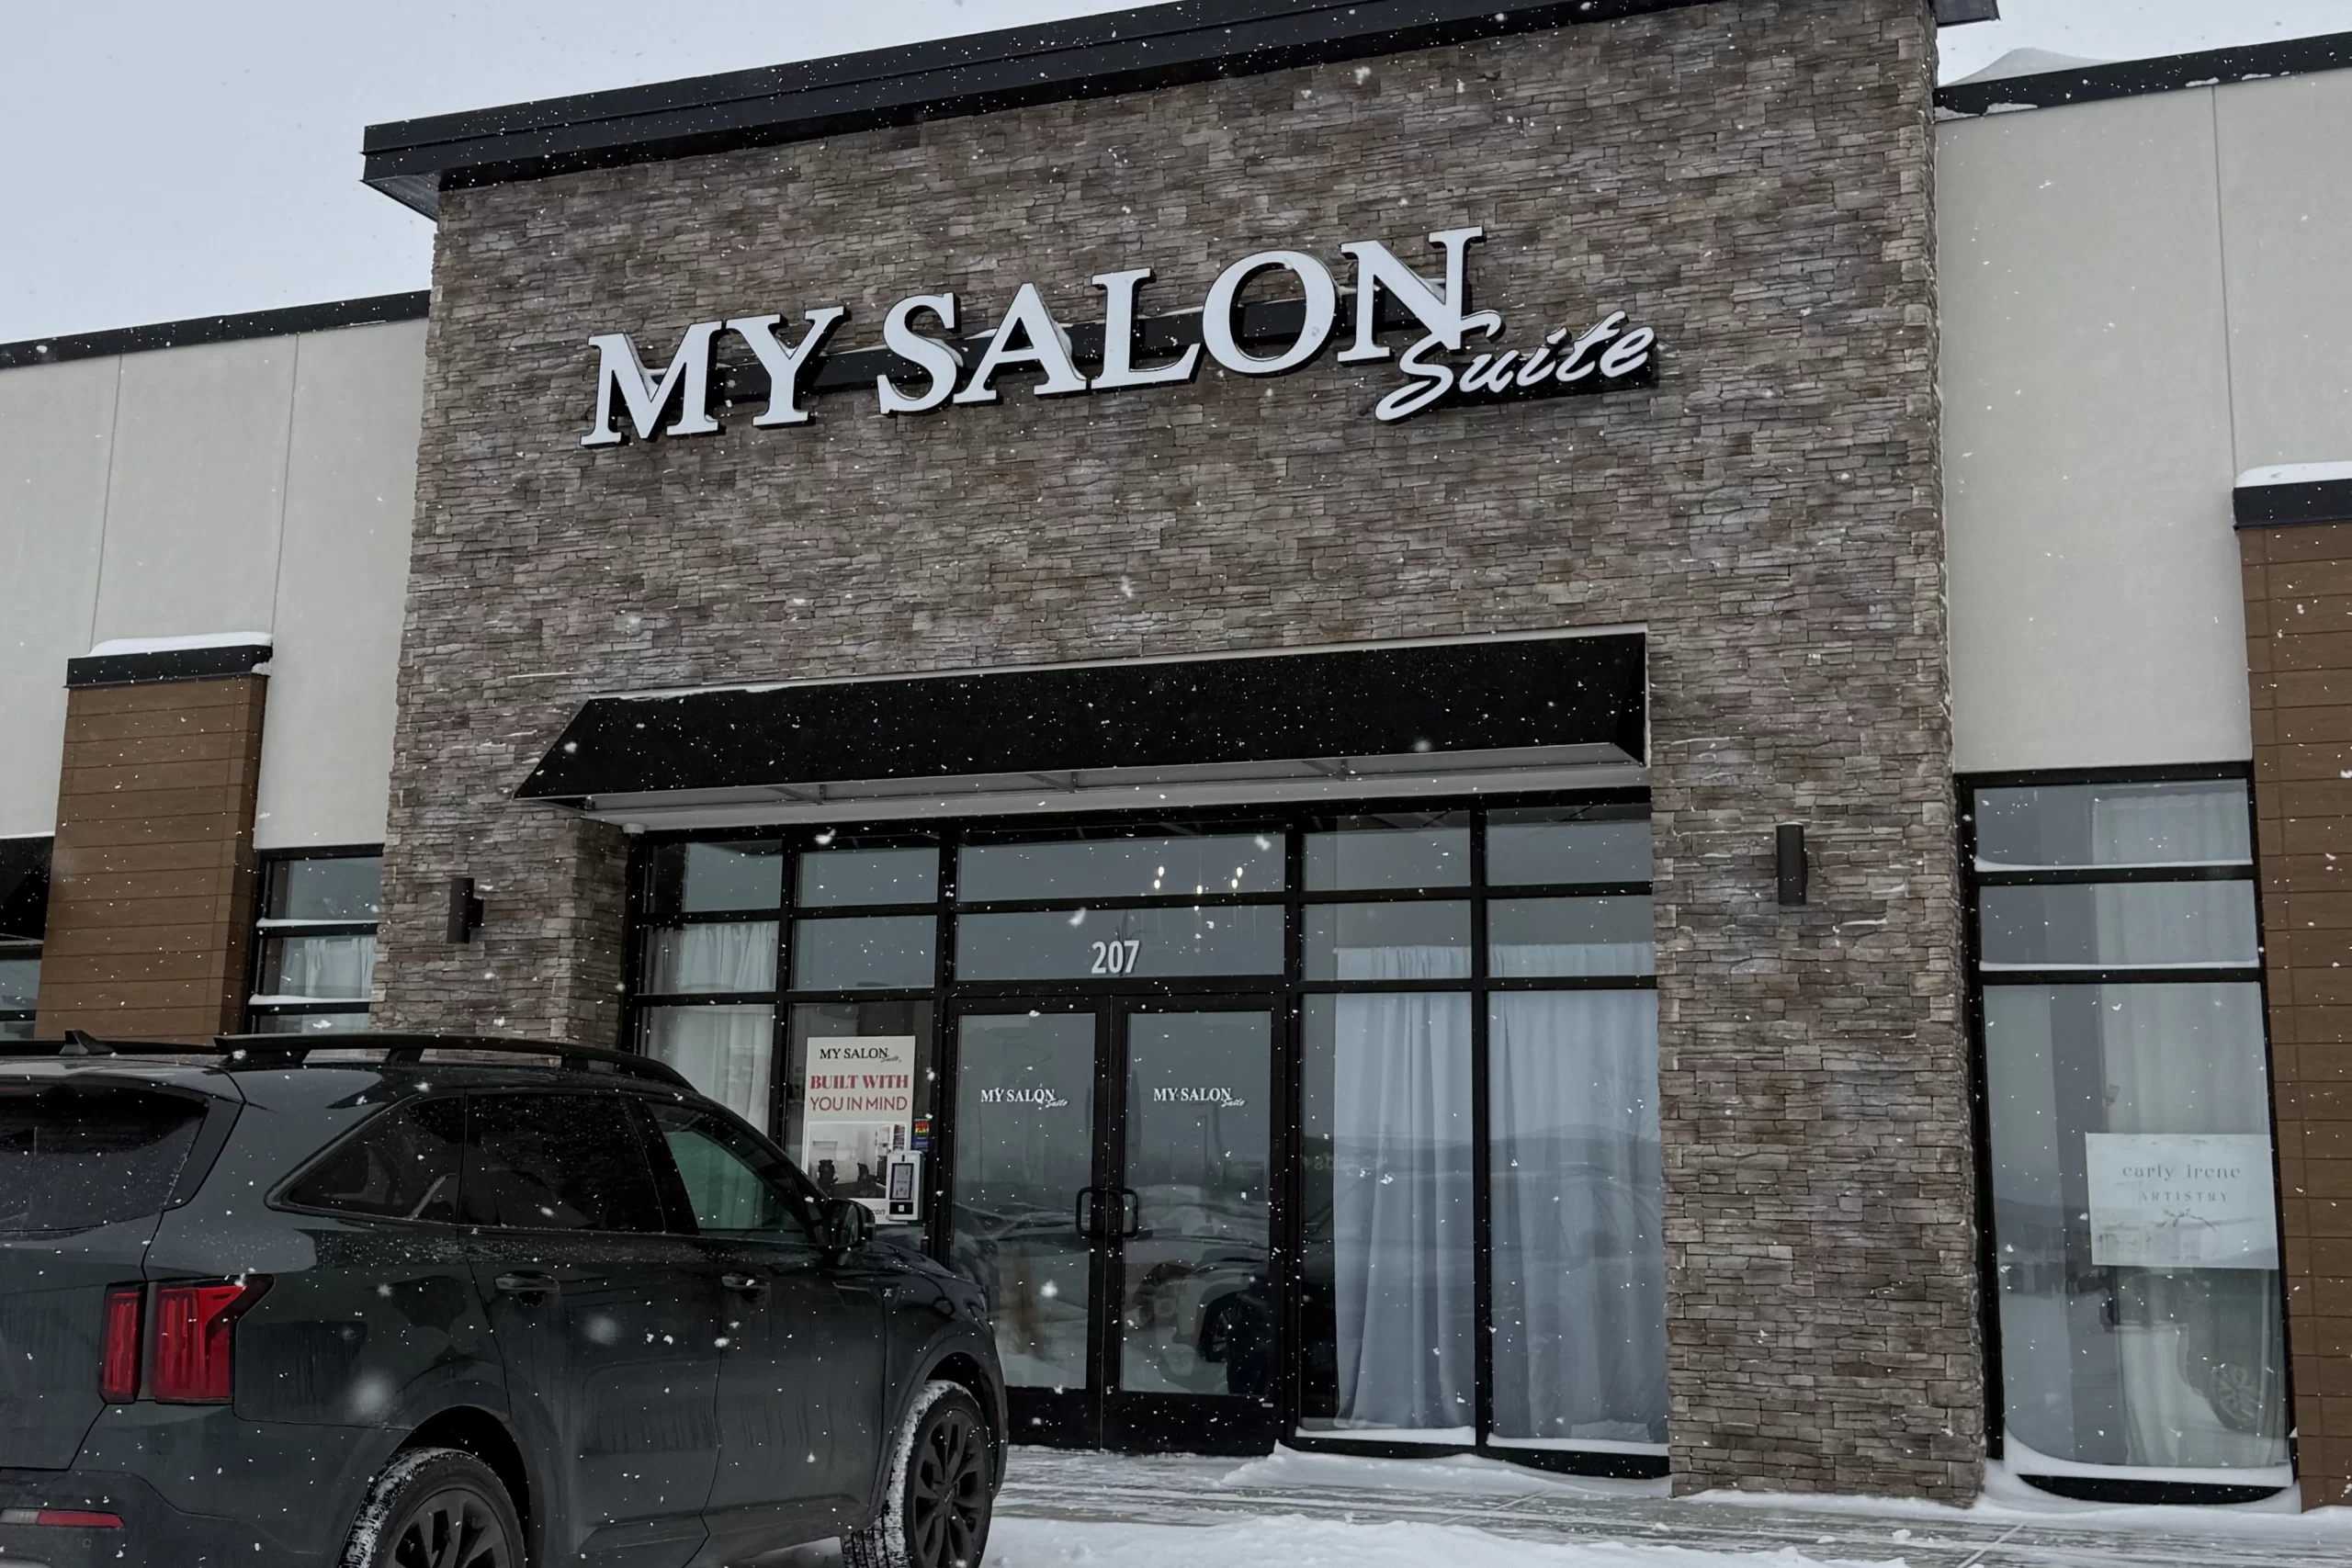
x=118, y=1369
x=194, y=1325
x=67, y=1518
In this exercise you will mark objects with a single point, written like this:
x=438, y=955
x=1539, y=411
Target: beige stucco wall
x=262, y=485
x=2140, y=298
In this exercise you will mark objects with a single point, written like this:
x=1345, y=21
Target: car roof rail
x=231, y=1050
x=81, y=1042
x=294, y=1050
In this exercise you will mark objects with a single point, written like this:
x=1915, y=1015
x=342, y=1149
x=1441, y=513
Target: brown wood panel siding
x=2299, y=658
x=150, y=902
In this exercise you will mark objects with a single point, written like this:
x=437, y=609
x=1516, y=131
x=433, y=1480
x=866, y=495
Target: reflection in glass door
x=1024, y=1157
x=1115, y=1206
x=1196, y=1364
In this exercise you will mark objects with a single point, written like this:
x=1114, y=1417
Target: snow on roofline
x=2294, y=473
x=122, y=645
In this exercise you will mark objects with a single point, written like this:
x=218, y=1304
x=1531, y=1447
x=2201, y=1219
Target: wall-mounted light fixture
x=1789, y=843
x=464, y=909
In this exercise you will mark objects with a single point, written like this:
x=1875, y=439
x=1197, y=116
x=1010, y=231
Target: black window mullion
x=1290, y=1263
x=937, y=1231
x=1482, y=1285
x=2079, y=875
x=2123, y=974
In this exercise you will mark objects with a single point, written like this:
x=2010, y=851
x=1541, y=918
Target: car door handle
x=744, y=1284
x=526, y=1284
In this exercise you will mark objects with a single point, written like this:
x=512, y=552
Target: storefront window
x=1436, y=1029
x=1209, y=865
x=1390, y=1220
x=1415, y=941
x=721, y=959
x=1407, y=849
x=868, y=953
x=699, y=879
x=24, y=919
x=314, y=949
x=1578, y=1229
x=1025, y=1143
x=863, y=1087
x=723, y=1049
x=19, y=986
x=2134, y=1217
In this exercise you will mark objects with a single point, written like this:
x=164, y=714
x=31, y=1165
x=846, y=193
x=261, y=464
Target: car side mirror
x=843, y=1225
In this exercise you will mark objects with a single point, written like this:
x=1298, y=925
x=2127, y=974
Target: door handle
x=526, y=1284
x=745, y=1284
x=1131, y=1205
x=1082, y=1213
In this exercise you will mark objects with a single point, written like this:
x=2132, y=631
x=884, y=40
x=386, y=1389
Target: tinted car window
x=401, y=1166
x=71, y=1158
x=730, y=1181
x=557, y=1162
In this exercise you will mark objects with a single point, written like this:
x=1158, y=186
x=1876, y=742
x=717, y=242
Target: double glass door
x=1113, y=1169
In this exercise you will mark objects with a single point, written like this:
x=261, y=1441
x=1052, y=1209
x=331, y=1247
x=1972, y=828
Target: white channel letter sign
x=1454, y=358
x=858, y=1104
x=2181, y=1201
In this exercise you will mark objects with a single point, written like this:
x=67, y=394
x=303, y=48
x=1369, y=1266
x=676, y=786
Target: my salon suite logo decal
x=1268, y=314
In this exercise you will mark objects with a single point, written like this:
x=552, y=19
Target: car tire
x=941, y=1492
x=429, y=1500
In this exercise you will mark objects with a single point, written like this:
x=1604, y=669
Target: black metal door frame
x=1185, y=1423
x=1101, y=1414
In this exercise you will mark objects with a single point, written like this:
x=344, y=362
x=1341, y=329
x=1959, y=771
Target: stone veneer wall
x=1753, y=179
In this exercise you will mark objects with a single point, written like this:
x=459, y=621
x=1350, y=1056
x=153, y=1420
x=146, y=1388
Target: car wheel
x=437, y=1508
x=936, y=1508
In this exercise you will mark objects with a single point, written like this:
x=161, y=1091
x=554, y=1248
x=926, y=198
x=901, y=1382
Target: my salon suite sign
x=1458, y=355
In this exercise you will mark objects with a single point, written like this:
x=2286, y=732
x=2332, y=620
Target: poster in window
x=2181, y=1201
x=857, y=1101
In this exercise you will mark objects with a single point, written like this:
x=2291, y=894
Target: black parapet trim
x=376, y=309
x=1438, y=698
x=23, y=889
x=2283, y=505
x=166, y=664
x=1087, y=57
x=2130, y=78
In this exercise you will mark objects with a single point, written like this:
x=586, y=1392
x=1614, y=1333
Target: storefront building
x=1532, y=728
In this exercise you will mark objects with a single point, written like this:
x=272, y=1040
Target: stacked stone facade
x=1751, y=177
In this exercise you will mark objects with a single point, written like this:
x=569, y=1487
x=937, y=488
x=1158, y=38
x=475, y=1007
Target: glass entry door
x=1113, y=1170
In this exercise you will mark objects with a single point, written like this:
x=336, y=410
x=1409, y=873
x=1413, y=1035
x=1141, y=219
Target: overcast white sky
x=169, y=160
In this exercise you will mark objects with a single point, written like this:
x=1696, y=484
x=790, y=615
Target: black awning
x=1429, y=702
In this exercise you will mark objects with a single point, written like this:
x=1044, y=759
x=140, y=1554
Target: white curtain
x=729, y=955
x=338, y=968
x=1579, y=1258
x=726, y=1052
x=1403, y=1227
x=2170, y=1369
x=2199, y=1353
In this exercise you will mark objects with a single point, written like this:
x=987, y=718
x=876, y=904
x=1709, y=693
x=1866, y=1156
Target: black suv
x=377, y=1300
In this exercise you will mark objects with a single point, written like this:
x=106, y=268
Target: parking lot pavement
x=1176, y=1491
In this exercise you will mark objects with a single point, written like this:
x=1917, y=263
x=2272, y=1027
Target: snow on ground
x=1458, y=1474
x=1294, y=1542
